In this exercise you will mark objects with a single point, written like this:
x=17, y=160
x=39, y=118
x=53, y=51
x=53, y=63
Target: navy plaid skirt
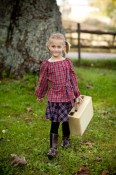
x=58, y=111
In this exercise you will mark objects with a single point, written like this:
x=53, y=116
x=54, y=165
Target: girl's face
x=56, y=48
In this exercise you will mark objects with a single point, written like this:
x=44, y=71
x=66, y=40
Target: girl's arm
x=74, y=81
x=43, y=82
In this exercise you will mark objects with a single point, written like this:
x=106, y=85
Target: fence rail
x=87, y=43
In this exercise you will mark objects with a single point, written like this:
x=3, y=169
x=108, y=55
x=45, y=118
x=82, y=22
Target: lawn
x=24, y=130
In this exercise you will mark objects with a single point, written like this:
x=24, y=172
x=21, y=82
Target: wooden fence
x=87, y=43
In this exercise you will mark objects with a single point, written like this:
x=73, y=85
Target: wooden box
x=79, y=120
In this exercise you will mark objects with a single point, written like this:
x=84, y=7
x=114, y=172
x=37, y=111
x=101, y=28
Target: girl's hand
x=79, y=100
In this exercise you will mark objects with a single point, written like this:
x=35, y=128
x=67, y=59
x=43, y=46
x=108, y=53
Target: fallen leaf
x=8, y=140
x=83, y=170
x=3, y=131
x=89, y=144
x=98, y=159
x=18, y=161
x=13, y=155
x=104, y=172
x=89, y=86
x=28, y=109
x=104, y=112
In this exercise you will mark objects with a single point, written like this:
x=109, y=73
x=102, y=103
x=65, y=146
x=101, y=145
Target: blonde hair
x=60, y=37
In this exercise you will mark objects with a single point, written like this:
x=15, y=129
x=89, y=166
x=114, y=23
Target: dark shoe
x=52, y=153
x=65, y=142
x=53, y=146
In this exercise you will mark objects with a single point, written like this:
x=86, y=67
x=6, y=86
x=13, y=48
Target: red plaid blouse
x=58, y=80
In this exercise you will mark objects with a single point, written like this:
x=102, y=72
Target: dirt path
x=87, y=55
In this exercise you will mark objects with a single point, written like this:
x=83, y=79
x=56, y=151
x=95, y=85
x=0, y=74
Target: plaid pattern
x=58, y=112
x=58, y=80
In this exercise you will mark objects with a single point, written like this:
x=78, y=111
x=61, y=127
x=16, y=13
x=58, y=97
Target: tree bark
x=31, y=23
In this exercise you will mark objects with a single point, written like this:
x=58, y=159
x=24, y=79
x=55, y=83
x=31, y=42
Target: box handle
x=75, y=108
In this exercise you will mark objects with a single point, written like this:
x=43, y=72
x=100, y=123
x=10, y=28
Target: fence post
x=79, y=44
x=113, y=40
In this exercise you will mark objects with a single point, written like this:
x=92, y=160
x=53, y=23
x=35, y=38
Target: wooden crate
x=79, y=120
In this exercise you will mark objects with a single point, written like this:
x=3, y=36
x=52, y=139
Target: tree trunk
x=31, y=23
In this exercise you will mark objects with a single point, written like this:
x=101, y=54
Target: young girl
x=58, y=79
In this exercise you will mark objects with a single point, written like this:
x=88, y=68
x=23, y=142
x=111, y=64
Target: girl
x=58, y=79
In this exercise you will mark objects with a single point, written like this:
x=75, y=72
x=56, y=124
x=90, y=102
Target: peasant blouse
x=58, y=80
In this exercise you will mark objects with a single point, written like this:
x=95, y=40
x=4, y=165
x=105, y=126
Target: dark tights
x=55, y=127
x=65, y=129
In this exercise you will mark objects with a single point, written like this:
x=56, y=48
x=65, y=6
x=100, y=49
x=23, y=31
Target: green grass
x=27, y=131
x=108, y=63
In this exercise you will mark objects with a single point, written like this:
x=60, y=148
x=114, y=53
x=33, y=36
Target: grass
x=25, y=132
x=101, y=63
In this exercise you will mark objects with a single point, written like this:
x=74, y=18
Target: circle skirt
x=58, y=111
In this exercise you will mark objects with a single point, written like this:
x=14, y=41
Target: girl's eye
x=59, y=47
x=53, y=46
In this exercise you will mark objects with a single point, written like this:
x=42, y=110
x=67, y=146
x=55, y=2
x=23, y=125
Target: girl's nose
x=56, y=48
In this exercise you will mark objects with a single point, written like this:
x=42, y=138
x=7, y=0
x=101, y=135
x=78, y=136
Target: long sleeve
x=43, y=82
x=74, y=81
